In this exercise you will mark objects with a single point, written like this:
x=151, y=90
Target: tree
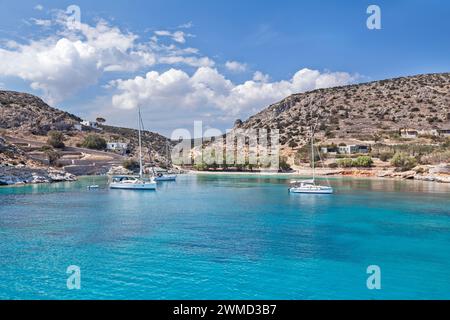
x=403, y=161
x=284, y=165
x=94, y=141
x=100, y=120
x=55, y=139
x=52, y=156
x=130, y=164
x=201, y=166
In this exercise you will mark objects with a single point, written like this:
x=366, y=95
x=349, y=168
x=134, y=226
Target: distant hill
x=362, y=110
x=27, y=112
x=32, y=118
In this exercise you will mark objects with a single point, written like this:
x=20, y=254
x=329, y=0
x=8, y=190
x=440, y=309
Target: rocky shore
x=17, y=168
x=20, y=174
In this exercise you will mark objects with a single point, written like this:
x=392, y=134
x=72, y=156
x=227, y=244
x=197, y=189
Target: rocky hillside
x=27, y=112
x=32, y=118
x=363, y=110
x=11, y=155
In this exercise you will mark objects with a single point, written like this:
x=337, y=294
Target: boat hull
x=134, y=186
x=166, y=178
x=311, y=191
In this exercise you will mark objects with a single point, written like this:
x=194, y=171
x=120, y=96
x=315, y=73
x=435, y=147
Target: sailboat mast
x=140, y=144
x=312, y=154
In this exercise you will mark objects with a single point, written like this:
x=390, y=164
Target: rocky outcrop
x=119, y=171
x=21, y=174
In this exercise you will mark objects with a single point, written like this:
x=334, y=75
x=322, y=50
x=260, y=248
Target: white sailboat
x=134, y=182
x=164, y=176
x=310, y=186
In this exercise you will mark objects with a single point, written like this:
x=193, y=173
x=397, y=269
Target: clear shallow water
x=226, y=237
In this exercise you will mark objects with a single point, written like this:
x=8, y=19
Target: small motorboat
x=165, y=177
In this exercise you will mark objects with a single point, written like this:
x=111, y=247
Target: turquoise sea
x=226, y=237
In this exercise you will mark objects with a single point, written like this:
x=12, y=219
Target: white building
x=444, y=132
x=409, y=133
x=354, y=148
x=91, y=124
x=430, y=132
x=120, y=147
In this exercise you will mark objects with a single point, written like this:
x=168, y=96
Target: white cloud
x=177, y=36
x=260, y=77
x=59, y=69
x=190, y=61
x=235, y=66
x=42, y=22
x=186, y=25
x=208, y=91
x=39, y=7
x=69, y=60
x=74, y=58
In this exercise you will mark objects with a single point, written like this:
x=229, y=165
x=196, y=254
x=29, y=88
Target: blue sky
x=211, y=60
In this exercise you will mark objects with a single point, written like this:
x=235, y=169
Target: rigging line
x=321, y=160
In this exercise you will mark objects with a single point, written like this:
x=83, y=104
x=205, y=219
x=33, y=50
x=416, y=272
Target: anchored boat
x=165, y=177
x=134, y=182
x=310, y=186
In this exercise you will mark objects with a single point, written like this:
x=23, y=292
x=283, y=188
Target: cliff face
x=419, y=102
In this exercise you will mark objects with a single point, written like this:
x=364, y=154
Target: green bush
x=201, y=166
x=333, y=165
x=363, y=161
x=345, y=163
x=130, y=164
x=385, y=156
x=95, y=142
x=55, y=139
x=52, y=156
x=284, y=166
x=403, y=161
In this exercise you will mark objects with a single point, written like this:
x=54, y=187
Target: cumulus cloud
x=260, y=77
x=235, y=66
x=74, y=58
x=39, y=7
x=59, y=69
x=177, y=92
x=71, y=59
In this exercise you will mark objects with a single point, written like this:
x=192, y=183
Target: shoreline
x=351, y=173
